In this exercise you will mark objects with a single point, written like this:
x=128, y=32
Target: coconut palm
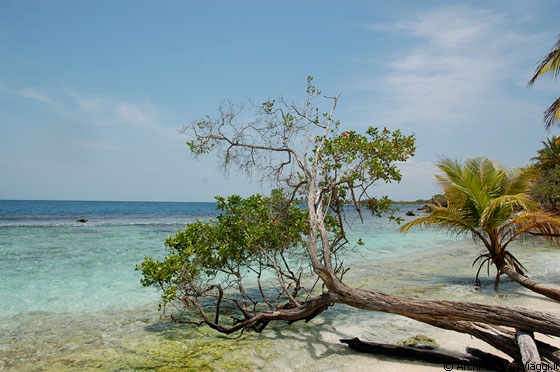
x=549, y=155
x=547, y=188
x=550, y=65
x=493, y=205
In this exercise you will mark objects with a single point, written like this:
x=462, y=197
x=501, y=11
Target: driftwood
x=493, y=324
x=528, y=360
x=494, y=362
x=406, y=352
x=529, y=354
x=478, y=360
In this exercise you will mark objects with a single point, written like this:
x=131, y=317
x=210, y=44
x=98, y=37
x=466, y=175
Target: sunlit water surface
x=71, y=299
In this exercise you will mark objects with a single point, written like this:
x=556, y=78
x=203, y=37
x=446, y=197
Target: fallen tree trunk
x=410, y=353
x=479, y=360
x=439, y=313
x=483, y=321
x=543, y=289
x=452, y=315
x=494, y=362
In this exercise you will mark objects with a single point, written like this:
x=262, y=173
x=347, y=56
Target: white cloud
x=143, y=115
x=460, y=62
x=418, y=182
x=109, y=111
x=91, y=104
x=455, y=27
x=38, y=96
x=419, y=171
x=457, y=78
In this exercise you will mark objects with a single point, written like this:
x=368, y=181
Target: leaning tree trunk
x=545, y=290
x=440, y=311
x=482, y=321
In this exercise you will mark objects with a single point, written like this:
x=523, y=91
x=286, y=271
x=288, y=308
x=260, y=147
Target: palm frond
x=513, y=261
x=549, y=65
x=490, y=203
x=552, y=114
x=447, y=219
x=549, y=155
x=526, y=225
x=486, y=259
x=520, y=180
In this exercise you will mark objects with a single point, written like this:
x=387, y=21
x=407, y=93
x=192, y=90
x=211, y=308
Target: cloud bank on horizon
x=92, y=94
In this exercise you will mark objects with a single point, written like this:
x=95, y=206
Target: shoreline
x=132, y=340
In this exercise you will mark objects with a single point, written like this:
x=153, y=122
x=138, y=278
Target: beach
x=133, y=341
x=72, y=299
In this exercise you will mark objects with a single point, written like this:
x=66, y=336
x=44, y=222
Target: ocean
x=71, y=300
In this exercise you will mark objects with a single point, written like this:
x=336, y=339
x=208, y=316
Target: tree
x=550, y=65
x=304, y=149
x=246, y=261
x=546, y=189
x=549, y=155
x=493, y=205
x=326, y=167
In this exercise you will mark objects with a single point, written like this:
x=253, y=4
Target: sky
x=93, y=93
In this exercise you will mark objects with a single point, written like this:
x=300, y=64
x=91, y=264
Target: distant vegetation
x=411, y=202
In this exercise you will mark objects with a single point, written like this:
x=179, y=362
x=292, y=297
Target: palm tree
x=550, y=65
x=547, y=188
x=493, y=205
x=549, y=155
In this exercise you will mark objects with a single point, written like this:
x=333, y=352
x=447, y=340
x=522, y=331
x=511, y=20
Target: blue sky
x=92, y=93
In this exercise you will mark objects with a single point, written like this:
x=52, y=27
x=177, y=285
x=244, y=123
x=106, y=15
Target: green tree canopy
x=247, y=260
x=546, y=189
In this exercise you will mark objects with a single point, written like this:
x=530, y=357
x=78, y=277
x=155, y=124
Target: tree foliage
x=301, y=147
x=258, y=239
x=546, y=189
x=493, y=205
x=247, y=260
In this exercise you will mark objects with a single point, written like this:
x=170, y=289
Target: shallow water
x=71, y=299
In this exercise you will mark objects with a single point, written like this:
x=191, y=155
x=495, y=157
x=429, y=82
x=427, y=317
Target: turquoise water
x=50, y=262
x=71, y=299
